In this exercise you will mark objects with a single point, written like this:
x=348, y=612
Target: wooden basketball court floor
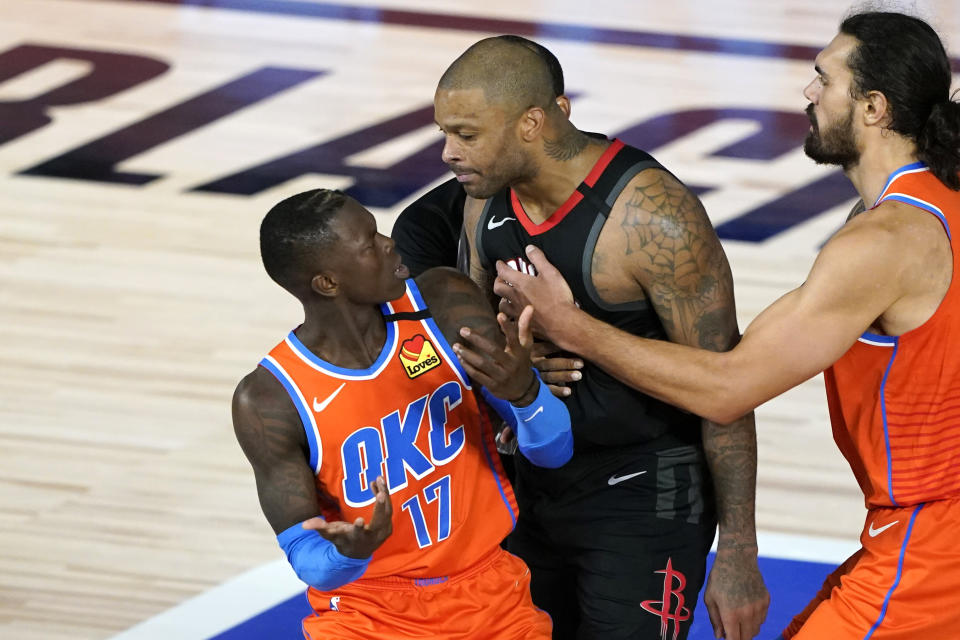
x=142, y=141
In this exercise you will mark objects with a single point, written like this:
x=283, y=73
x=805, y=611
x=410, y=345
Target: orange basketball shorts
x=489, y=601
x=903, y=584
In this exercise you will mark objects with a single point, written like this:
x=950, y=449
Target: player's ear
x=326, y=284
x=876, y=109
x=564, y=103
x=531, y=124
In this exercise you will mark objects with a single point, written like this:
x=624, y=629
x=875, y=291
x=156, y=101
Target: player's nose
x=450, y=153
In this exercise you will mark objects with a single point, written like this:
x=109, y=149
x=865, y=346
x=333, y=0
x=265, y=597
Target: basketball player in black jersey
x=617, y=538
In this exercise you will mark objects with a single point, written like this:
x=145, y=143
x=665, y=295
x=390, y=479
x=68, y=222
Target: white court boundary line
x=785, y=546
x=266, y=586
x=223, y=607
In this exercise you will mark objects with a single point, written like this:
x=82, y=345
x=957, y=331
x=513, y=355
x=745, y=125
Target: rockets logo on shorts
x=418, y=356
x=674, y=583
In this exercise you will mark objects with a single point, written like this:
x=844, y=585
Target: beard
x=485, y=187
x=834, y=145
x=511, y=167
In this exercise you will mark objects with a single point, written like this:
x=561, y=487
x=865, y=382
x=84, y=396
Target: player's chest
x=399, y=427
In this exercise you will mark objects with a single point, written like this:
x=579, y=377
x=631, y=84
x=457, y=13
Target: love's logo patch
x=418, y=356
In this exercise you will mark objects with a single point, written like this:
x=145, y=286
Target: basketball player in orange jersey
x=617, y=539
x=879, y=311
x=373, y=463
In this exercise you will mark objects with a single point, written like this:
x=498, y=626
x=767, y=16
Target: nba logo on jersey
x=418, y=356
x=335, y=603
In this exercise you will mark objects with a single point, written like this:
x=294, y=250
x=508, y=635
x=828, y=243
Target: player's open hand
x=358, y=539
x=505, y=372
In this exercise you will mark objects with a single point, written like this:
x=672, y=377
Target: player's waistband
x=394, y=583
x=598, y=464
x=951, y=502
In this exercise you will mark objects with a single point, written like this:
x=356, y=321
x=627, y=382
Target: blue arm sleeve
x=316, y=560
x=503, y=408
x=544, y=436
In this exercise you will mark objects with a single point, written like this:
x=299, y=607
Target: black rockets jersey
x=604, y=412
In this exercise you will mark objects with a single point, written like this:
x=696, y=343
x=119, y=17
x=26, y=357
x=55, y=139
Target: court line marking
x=544, y=30
x=253, y=592
x=223, y=607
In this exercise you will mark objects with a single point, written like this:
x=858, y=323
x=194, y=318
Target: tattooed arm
x=456, y=302
x=268, y=429
x=676, y=257
x=669, y=250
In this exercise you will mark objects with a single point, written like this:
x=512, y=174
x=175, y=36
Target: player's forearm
x=697, y=380
x=317, y=561
x=731, y=452
x=542, y=426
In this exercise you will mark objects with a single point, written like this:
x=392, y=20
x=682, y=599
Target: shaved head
x=513, y=72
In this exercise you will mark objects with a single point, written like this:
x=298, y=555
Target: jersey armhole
x=477, y=232
x=307, y=420
x=952, y=293
x=594, y=236
x=916, y=202
x=430, y=325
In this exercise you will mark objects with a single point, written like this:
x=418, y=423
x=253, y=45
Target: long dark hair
x=903, y=58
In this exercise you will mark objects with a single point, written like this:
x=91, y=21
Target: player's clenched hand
x=735, y=596
x=505, y=372
x=357, y=539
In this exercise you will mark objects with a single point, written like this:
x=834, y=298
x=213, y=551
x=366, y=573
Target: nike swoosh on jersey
x=875, y=532
x=615, y=479
x=320, y=406
x=539, y=410
x=493, y=224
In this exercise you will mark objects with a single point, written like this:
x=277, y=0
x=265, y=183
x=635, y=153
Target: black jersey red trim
x=554, y=219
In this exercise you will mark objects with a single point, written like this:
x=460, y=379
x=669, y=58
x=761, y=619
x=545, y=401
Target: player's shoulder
x=262, y=411
x=259, y=391
x=902, y=234
x=894, y=213
x=438, y=283
x=870, y=242
x=452, y=297
x=656, y=176
x=892, y=221
x=656, y=196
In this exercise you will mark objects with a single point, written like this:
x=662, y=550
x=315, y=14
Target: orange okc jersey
x=412, y=418
x=895, y=401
